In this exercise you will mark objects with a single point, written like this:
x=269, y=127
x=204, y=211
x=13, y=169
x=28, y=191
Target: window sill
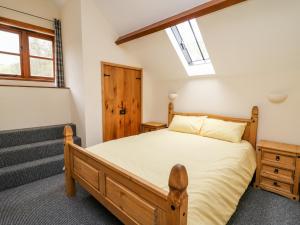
x=39, y=79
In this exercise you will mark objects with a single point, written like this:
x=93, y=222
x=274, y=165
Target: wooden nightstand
x=278, y=168
x=152, y=126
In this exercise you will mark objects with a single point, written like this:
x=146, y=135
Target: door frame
x=104, y=63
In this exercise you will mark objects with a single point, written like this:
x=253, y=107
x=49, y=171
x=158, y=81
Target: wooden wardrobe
x=121, y=100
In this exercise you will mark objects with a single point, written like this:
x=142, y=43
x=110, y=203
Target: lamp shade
x=172, y=96
x=277, y=97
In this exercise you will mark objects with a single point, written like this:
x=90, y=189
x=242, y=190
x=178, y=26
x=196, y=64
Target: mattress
x=219, y=171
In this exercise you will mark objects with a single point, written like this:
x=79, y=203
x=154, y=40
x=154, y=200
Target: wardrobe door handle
x=122, y=111
x=276, y=171
x=277, y=158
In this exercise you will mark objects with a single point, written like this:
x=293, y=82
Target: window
x=26, y=55
x=189, y=45
x=10, y=58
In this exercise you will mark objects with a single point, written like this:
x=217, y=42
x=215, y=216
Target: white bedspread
x=219, y=171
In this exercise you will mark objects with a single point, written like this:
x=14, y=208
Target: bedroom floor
x=44, y=202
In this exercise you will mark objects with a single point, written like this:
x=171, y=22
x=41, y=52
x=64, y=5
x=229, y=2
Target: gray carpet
x=34, y=151
x=31, y=154
x=44, y=202
x=10, y=138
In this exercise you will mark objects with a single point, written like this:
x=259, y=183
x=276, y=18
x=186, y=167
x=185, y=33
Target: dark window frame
x=25, y=54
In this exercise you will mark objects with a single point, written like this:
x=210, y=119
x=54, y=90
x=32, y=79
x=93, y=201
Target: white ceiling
x=247, y=39
x=129, y=15
x=253, y=38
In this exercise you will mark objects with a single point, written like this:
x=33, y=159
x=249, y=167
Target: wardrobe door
x=121, y=99
x=113, y=100
x=132, y=101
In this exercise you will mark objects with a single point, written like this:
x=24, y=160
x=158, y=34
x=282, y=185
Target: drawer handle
x=276, y=170
x=277, y=158
x=276, y=184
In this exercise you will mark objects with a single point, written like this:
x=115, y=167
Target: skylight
x=189, y=45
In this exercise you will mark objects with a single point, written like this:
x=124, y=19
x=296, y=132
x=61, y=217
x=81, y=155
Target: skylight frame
x=202, y=66
x=183, y=47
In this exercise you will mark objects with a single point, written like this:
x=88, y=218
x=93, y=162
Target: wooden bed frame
x=130, y=198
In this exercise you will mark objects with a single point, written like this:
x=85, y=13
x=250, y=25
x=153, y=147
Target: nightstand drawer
x=274, y=184
x=288, y=174
x=278, y=168
x=278, y=158
x=149, y=129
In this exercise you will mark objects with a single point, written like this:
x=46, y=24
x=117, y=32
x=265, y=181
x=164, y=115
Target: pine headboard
x=250, y=133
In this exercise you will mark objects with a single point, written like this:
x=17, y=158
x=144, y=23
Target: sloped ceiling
x=59, y=3
x=129, y=15
x=253, y=38
x=157, y=56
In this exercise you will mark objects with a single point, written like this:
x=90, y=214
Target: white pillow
x=187, y=124
x=223, y=130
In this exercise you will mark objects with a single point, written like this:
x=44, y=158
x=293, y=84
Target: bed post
x=69, y=181
x=178, y=197
x=170, y=113
x=253, y=127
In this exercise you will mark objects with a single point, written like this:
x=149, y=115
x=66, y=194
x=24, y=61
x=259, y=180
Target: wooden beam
x=201, y=10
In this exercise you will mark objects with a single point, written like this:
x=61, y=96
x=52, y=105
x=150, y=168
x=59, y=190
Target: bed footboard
x=130, y=198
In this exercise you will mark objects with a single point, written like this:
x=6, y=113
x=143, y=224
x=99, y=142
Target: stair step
x=31, y=135
x=24, y=173
x=24, y=153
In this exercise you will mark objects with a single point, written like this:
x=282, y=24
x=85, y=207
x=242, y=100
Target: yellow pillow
x=187, y=124
x=223, y=130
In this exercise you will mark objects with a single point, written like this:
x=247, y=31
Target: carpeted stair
x=31, y=154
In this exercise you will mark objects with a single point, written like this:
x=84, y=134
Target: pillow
x=187, y=124
x=223, y=130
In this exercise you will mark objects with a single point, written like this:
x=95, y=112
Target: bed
x=142, y=179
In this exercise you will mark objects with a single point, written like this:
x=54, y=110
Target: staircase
x=31, y=154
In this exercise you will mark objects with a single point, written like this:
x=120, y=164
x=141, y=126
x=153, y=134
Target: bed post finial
x=69, y=181
x=68, y=134
x=170, y=112
x=253, y=126
x=255, y=111
x=178, y=197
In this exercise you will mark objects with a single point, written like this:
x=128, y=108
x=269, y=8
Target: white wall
x=44, y=8
x=155, y=99
x=22, y=107
x=255, y=38
x=245, y=48
x=234, y=96
x=255, y=48
x=30, y=107
x=88, y=40
x=98, y=45
x=73, y=62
